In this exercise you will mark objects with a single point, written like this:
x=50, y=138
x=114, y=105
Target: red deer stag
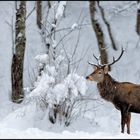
x=124, y=95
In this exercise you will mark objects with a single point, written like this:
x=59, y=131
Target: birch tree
x=18, y=56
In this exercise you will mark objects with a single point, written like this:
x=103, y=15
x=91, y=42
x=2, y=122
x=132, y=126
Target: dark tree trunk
x=18, y=56
x=108, y=27
x=39, y=13
x=138, y=20
x=99, y=33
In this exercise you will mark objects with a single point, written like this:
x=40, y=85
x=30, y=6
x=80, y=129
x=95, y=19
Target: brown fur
x=120, y=93
x=124, y=95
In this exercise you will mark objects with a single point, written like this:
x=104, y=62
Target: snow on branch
x=125, y=7
x=60, y=9
x=74, y=26
x=42, y=58
x=45, y=83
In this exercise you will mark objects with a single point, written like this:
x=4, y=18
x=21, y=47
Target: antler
x=95, y=57
x=90, y=63
x=114, y=61
x=98, y=60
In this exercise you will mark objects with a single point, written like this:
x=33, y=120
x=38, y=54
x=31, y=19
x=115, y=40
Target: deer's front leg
x=122, y=121
x=125, y=118
x=128, y=119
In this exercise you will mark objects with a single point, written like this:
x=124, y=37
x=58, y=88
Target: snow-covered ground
x=101, y=120
x=35, y=133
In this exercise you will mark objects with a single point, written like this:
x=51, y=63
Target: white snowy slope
x=101, y=120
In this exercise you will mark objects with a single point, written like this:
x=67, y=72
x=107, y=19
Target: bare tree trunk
x=99, y=33
x=39, y=13
x=18, y=56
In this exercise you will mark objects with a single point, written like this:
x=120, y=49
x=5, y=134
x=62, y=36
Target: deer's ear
x=106, y=69
x=95, y=67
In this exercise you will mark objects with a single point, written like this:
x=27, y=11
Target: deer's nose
x=87, y=77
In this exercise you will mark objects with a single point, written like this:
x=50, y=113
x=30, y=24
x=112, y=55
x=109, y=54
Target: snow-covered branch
x=60, y=9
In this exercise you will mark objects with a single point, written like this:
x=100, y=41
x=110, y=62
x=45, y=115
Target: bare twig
x=63, y=38
x=82, y=58
x=11, y=25
x=77, y=61
x=76, y=46
x=68, y=59
x=126, y=7
x=30, y=13
x=68, y=28
x=108, y=27
x=77, y=43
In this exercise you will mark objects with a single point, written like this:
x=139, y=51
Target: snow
x=54, y=43
x=77, y=83
x=59, y=93
x=35, y=133
x=42, y=58
x=51, y=70
x=59, y=59
x=74, y=26
x=97, y=118
x=54, y=25
x=60, y=9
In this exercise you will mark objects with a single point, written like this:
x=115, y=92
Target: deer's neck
x=107, y=88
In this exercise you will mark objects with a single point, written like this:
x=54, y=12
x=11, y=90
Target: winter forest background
x=45, y=47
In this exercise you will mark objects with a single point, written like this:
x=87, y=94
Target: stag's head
x=101, y=70
x=98, y=74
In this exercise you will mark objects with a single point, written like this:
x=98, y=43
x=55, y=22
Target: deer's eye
x=99, y=72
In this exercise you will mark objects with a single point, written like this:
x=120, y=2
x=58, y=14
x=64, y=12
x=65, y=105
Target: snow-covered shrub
x=65, y=95
x=61, y=97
